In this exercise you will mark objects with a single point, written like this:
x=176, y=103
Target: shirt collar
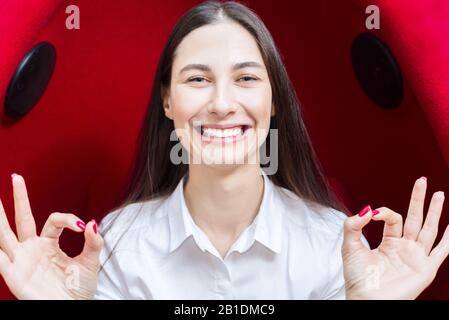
x=266, y=227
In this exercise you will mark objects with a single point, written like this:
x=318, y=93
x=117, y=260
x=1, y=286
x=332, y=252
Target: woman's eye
x=200, y=79
x=248, y=78
x=196, y=79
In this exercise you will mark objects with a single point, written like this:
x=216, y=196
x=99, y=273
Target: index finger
x=393, y=222
x=26, y=226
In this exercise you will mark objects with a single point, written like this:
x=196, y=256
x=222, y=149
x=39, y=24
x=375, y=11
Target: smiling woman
x=233, y=101
x=223, y=227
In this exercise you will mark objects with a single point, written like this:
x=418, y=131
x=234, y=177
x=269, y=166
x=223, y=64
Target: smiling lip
x=232, y=138
x=225, y=126
x=222, y=126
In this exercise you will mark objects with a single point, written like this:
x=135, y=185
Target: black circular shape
x=30, y=79
x=377, y=71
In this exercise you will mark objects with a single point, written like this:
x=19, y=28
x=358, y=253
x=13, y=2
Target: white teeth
x=219, y=133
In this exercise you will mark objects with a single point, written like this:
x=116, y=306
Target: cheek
x=186, y=103
x=258, y=105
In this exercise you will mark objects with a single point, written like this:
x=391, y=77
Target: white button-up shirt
x=291, y=250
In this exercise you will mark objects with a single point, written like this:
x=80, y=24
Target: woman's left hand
x=404, y=264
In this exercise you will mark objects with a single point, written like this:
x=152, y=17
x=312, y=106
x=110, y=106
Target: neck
x=224, y=201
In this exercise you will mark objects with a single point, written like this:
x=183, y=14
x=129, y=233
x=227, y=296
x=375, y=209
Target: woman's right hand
x=35, y=267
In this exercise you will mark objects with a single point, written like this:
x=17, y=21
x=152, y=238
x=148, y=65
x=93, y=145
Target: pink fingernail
x=364, y=211
x=94, y=226
x=375, y=211
x=13, y=175
x=424, y=178
x=81, y=225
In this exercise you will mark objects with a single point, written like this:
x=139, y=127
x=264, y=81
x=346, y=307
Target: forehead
x=212, y=44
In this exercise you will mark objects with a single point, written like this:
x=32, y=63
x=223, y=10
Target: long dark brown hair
x=154, y=175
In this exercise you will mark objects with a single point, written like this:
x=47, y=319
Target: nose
x=222, y=103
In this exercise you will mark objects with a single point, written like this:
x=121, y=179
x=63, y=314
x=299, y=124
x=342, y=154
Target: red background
x=75, y=147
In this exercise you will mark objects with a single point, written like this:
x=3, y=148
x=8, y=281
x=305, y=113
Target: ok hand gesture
x=404, y=264
x=34, y=267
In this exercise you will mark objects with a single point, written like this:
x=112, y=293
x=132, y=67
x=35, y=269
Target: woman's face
x=220, y=95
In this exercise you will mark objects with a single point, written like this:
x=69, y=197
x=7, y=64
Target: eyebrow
x=206, y=68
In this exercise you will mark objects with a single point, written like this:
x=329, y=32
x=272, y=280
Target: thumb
x=353, y=229
x=92, y=245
